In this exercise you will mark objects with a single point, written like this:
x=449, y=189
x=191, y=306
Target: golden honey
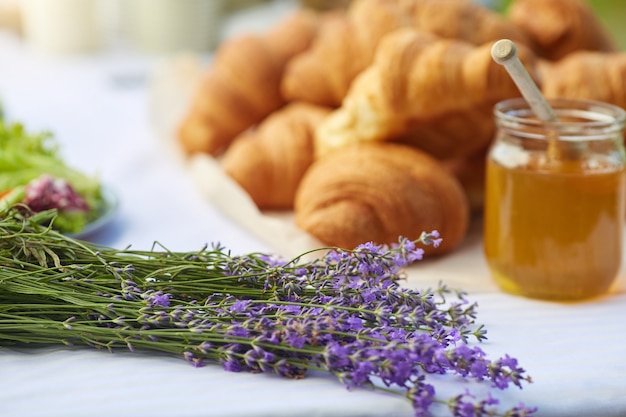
x=554, y=216
x=554, y=233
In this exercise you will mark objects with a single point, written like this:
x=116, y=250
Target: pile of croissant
x=373, y=122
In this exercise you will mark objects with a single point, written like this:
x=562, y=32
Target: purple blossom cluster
x=345, y=313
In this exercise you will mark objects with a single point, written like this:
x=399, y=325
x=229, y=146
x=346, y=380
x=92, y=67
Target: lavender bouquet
x=343, y=313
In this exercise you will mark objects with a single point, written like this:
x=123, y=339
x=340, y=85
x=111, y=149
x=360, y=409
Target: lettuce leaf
x=26, y=156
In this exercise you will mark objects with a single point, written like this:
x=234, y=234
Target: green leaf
x=26, y=156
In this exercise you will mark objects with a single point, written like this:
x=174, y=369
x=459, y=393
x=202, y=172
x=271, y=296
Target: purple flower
x=239, y=306
x=292, y=309
x=431, y=238
x=205, y=347
x=360, y=376
x=197, y=362
x=272, y=260
x=421, y=396
x=232, y=365
x=345, y=313
x=257, y=358
x=336, y=356
x=522, y=411
x=465, y=409
x=354, y=323
x=158, y=299
x=284, y=368
x=406, y=252
x=238, y=331
x=466, y=405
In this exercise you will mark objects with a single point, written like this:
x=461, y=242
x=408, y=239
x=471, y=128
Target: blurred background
x=164, y=26
x=611, y=12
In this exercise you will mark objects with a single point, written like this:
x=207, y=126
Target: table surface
x=97, y=107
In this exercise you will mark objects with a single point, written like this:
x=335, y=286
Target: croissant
x=467, y=20
x=587, y=75
x=242, y=85
x=415, y=81
x=557, y=28
x=470, y=172
x=269, y=161
x=324, y=72
x=452, y=135
x=379, y=192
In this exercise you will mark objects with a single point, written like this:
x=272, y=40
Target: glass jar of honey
x=555, y=199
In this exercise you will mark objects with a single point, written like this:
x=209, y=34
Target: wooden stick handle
x=504, y=52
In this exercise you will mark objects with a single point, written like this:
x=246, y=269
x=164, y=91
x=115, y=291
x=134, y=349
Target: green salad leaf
x=26, y=156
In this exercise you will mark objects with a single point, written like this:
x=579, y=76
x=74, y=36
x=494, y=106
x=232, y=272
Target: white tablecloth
x=97, y=107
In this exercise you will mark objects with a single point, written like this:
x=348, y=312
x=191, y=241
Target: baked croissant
x=452, y=135
x=467, y=20
x=557, y=28
x=379, y=192
x=470, y=171
x=587, y=75
x=242, y=85
x=323, y=73
x=269, y=161
x=415, y=81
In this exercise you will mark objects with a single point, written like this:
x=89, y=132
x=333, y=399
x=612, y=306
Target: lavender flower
x=345, y=313
x=157, y=298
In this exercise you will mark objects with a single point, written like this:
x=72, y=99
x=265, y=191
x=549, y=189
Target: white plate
x=109, y=210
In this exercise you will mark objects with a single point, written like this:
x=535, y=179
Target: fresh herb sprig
x=344, y=313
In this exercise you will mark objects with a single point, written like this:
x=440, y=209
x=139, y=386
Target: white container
x=62, y=26
x=169, y=26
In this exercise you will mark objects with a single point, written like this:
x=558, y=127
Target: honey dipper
x=504, y=52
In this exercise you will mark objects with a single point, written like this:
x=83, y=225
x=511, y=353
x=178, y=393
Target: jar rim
x=518, y=111
x=579, y=120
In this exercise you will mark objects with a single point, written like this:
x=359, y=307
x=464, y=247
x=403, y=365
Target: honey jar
x=555, y=196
